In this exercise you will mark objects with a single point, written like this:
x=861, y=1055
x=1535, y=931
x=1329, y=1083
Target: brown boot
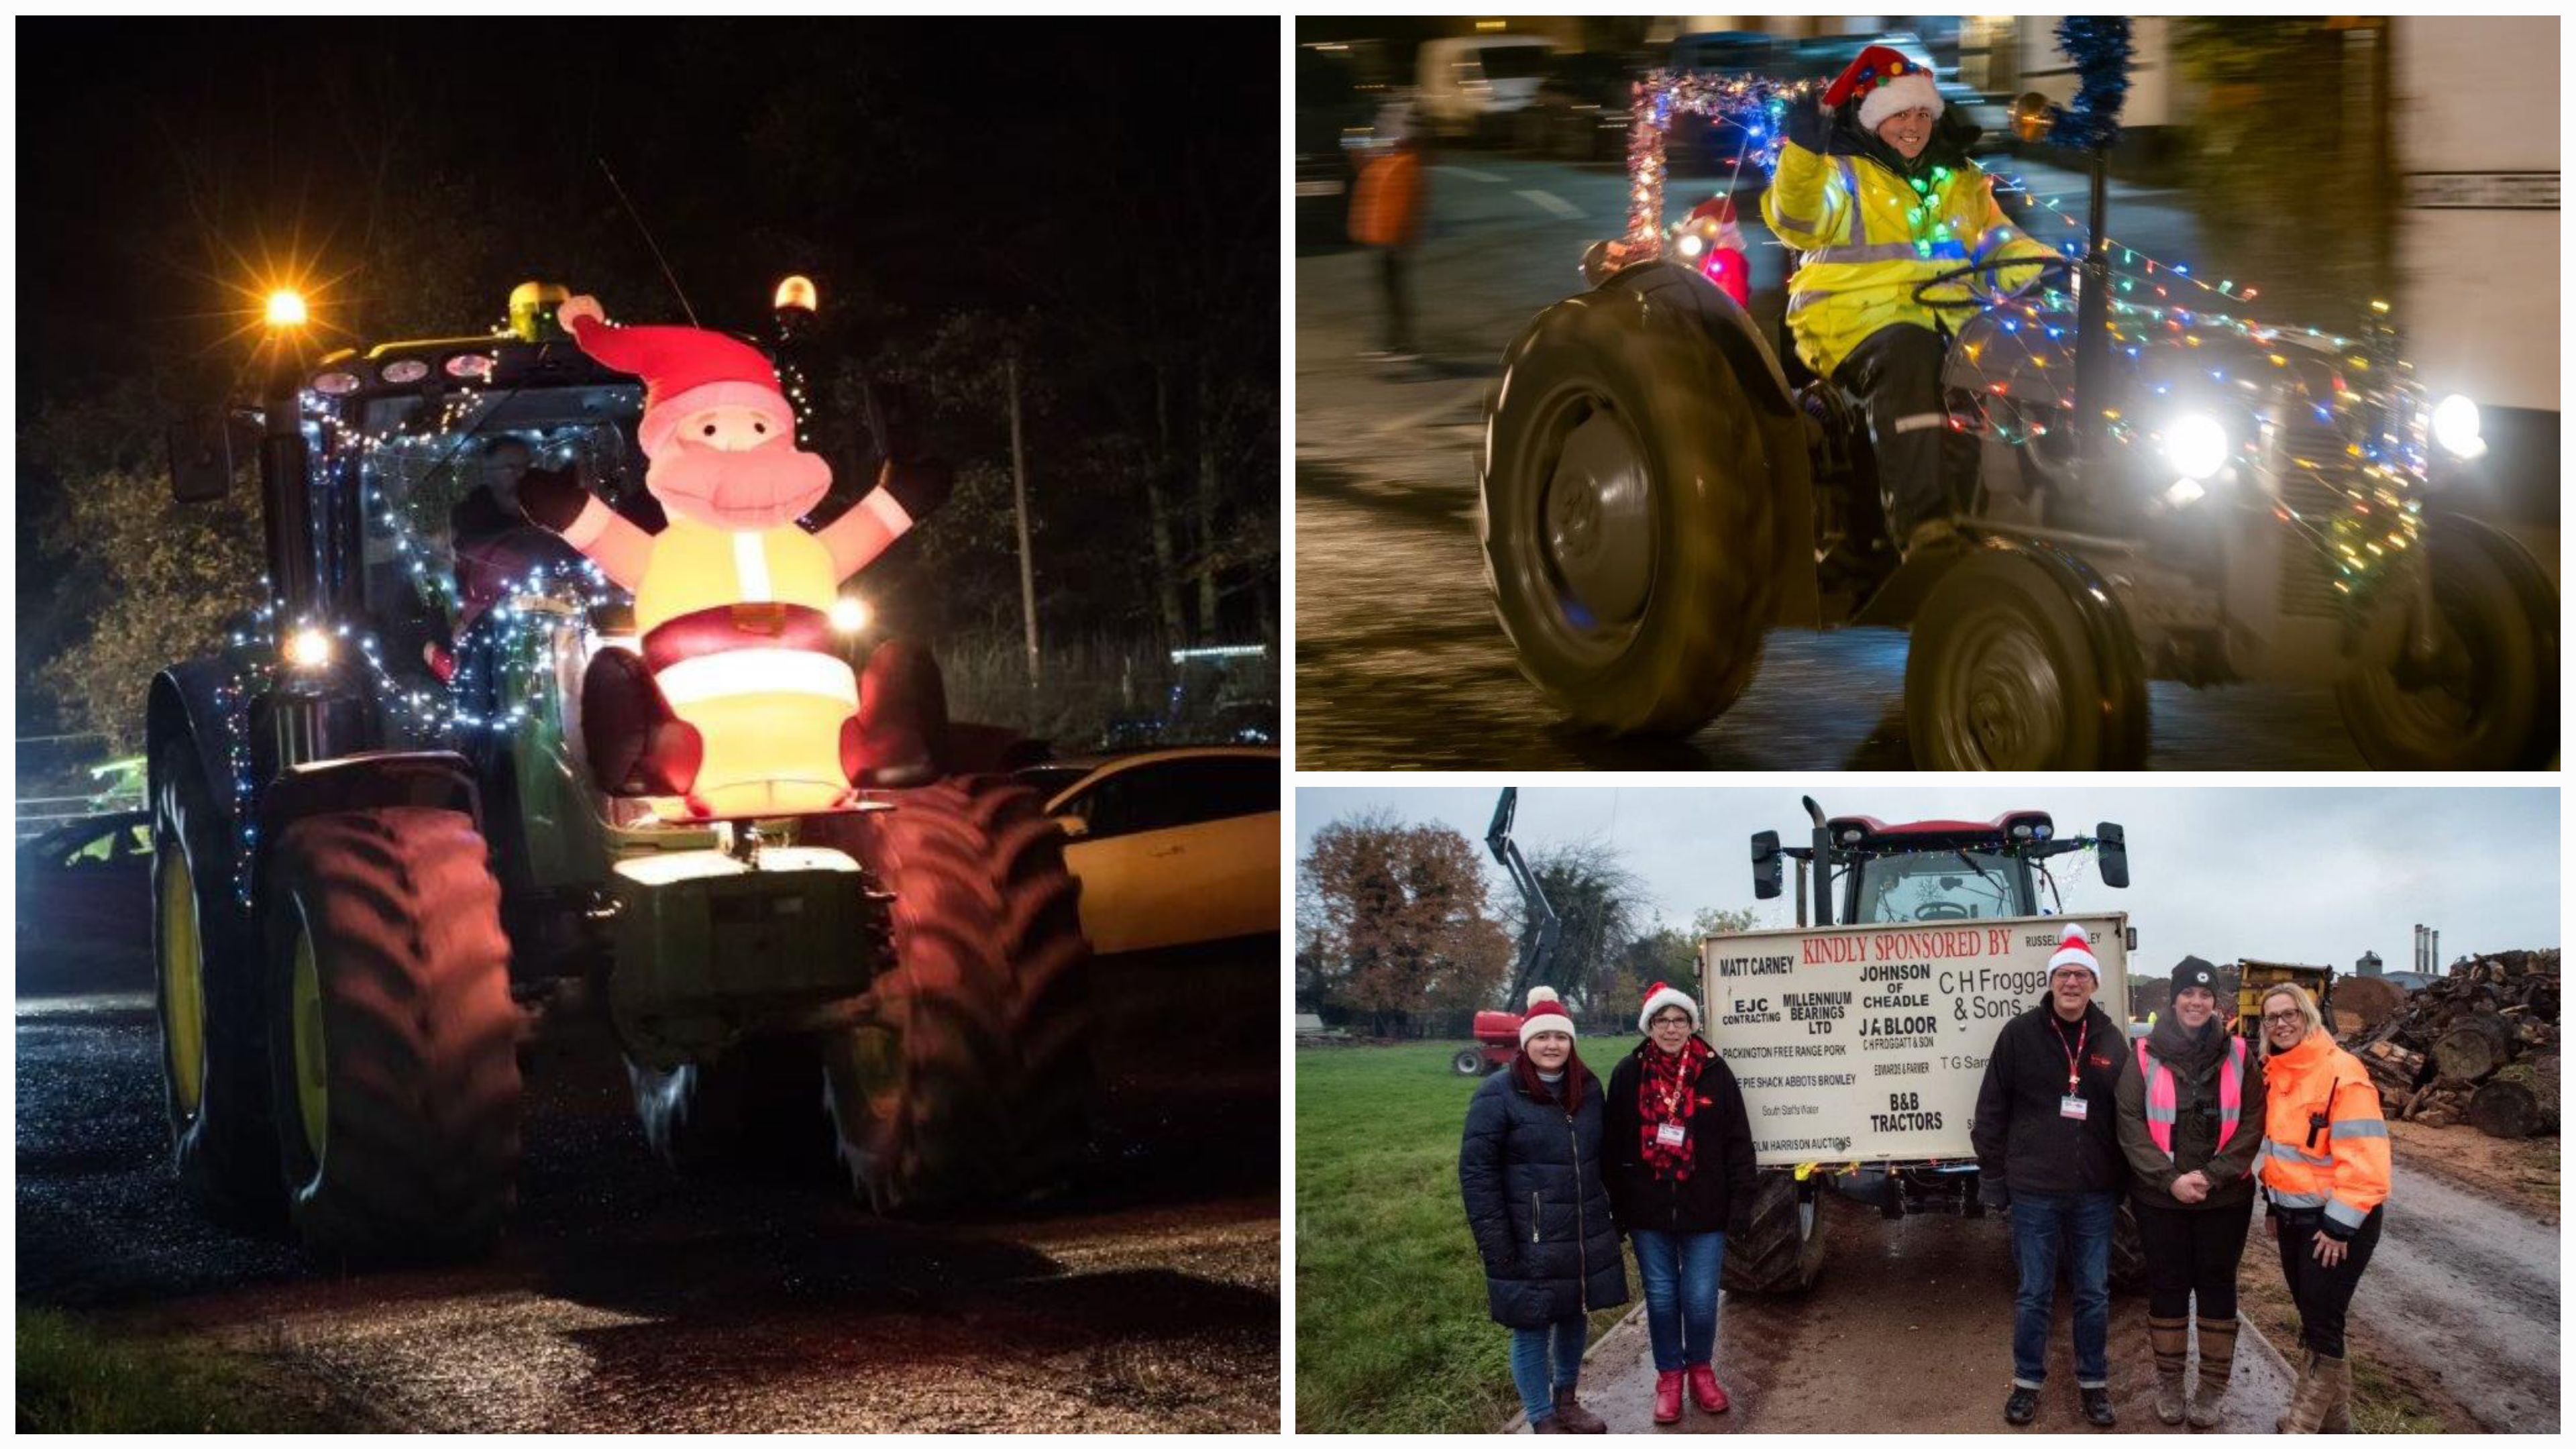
x=2217, y=1362
x=2307, y=1402
x=1549, y=1425
x=2170, y=1338
x=2337, y=1372
x=1575, y=1418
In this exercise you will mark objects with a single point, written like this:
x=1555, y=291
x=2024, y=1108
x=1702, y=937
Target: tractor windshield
x=1940, y=885
x=441, y=480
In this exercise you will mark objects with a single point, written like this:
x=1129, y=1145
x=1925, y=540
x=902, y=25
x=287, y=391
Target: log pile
x=2479, y=1046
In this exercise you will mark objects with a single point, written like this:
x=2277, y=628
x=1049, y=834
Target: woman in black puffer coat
x=1530, y=1170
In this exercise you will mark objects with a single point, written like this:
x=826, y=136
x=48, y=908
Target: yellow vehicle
x=1177, y=853
x=2253, y=978
x=1174, y=848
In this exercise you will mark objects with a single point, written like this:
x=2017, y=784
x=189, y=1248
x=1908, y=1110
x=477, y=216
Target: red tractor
x=1498, y=1033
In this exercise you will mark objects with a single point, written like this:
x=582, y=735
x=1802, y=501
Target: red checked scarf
x=1668, y=1091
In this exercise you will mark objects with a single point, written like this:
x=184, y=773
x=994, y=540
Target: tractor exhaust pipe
x=1824, y=846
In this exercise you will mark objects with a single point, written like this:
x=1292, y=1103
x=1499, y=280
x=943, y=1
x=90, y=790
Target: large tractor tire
x=2128, y=1250
x=759, y=1109
x=1469, y=1062
x=968, y=1080
x=1629, y=496
x=2492, y=702
x=393, y=1039
x=1781, y=1248
x=2006, y=673
x=214, y=1055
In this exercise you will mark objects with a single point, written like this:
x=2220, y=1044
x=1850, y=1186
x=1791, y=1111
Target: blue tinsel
x=2099, y=46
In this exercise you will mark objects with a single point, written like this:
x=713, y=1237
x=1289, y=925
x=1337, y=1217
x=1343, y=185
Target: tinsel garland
x=2099, y=46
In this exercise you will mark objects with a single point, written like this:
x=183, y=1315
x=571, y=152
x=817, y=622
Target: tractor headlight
x=1691, y=244
x=2455, y=426
x=307, y=648
x=2196, y=445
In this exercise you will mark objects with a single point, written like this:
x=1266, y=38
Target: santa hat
x=1546, y=1013
x=1886, y=83
x=2074, y=948
x=1659, y=996
x=685, y=370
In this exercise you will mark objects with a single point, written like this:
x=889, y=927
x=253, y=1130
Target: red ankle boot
x=1703, y=1382
x=1668, y=1397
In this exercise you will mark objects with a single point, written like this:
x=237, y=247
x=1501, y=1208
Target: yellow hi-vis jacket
x=2339, y=1167
x=1871, y=237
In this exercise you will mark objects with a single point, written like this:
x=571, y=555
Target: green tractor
x=386, y=865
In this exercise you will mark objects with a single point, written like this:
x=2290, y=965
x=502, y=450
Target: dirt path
x=2467, y=1292
x=1909, y=1331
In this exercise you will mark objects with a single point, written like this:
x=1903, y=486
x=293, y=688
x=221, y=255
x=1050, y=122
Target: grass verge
x=75, y=1379
x=1392, y=1333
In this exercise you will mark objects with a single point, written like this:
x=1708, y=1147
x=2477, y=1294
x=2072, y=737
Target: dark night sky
x=894, y=159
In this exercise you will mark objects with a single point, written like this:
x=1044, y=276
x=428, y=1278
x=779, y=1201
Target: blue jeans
x=1680, y=1272
x=1532, y=1352
x=2082, y=1222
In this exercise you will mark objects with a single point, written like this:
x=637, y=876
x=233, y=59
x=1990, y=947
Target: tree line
x=1400, y=933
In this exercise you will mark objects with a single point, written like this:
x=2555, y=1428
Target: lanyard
x=2072, y=1057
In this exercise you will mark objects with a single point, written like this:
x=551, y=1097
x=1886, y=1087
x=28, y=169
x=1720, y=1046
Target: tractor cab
x=1930, y=870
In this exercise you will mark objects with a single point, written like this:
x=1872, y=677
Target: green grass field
x=1392, y=1335
x=75, y=1379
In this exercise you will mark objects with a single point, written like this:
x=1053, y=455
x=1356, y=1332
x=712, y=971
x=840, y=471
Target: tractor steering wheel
x=1991, y=264
x=1942, y=911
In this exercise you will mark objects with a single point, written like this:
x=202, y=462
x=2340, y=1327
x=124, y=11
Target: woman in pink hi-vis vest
x=2191, y=1121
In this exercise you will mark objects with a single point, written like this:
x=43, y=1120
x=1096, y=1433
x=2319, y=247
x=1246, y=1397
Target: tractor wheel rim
x=1596, y=528
x=2008, y=710
x=2456, y=702
x=876, y=1068
x=183, y=980
x=312, y=1061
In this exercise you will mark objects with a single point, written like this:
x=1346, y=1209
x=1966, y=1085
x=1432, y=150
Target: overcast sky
x=2221, y=872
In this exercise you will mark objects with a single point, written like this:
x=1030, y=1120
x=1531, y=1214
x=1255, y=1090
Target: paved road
x=1908, y=1331
x=2480, y=1282
x=625, y=1301
x=1399, y=661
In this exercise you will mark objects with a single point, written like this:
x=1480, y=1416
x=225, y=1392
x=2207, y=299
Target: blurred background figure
x=1386, y=214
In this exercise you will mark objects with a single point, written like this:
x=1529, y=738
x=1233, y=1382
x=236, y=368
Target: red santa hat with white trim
x=685, y=370
x=1659, y=996
x=1886, y=83
x=2074, y=948
x=1546, y=1013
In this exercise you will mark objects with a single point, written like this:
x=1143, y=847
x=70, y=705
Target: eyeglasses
x=2283, y=1018
x=1676, y=1019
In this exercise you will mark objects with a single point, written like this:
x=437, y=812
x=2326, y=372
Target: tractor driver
x=1876, y=188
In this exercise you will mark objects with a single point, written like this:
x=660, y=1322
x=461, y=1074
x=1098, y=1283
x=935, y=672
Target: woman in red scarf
x=1679, y=1155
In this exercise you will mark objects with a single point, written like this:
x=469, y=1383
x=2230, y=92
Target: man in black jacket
x=2048, y=1146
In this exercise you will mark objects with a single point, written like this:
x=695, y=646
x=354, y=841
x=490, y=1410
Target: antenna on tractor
x=623, y=200
x=1539, y=924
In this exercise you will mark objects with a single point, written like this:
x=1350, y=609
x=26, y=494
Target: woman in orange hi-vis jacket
x=2325, y=1179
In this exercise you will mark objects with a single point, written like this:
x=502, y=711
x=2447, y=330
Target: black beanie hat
x=2193, y=972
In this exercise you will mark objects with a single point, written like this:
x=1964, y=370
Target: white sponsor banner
x=1867, y=1043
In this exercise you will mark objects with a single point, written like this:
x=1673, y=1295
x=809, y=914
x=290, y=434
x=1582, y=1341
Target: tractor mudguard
x=1674, y=287
x=431, y=779
x=182, y=703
